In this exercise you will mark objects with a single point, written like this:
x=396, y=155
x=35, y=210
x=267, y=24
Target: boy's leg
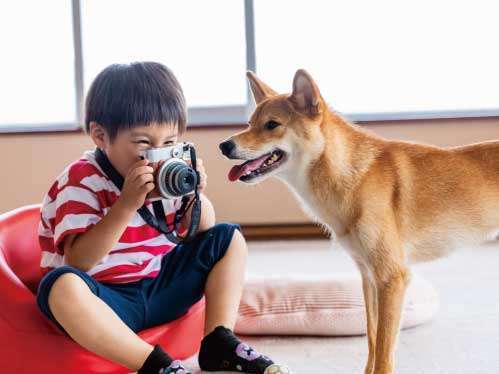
x=221, y=349
x=213, y=264
x=93, y=324
x=225, y=285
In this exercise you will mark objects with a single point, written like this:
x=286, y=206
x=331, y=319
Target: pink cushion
x=327, y=305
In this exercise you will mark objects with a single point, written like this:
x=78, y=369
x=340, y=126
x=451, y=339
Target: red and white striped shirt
x=79, y=198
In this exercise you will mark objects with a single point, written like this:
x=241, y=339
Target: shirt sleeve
x=77, y=210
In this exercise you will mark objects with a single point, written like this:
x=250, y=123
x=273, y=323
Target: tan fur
x=389, y=203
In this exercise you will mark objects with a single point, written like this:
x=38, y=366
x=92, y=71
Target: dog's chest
x=315, y=205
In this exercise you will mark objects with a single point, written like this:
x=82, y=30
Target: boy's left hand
x=202, y=175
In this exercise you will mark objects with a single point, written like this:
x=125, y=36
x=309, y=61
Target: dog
x=389, y=203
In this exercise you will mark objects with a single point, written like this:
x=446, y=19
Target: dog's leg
x=391, y=284
x=370, y=299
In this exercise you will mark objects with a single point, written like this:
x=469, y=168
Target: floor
x=463, y=337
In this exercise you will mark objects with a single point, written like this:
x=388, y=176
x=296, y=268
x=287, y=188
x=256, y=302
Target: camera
x=173, y=175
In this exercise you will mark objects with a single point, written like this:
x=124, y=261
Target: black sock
x=221, y=350
x=157, y=360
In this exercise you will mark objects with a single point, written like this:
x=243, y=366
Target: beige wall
x=29, y=164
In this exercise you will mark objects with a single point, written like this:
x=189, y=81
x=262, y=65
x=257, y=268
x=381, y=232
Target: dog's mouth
x=260, y=166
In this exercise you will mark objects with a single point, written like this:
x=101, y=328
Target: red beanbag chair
x=30, y=343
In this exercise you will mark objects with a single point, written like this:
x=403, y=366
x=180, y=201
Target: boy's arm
x=207, y=220
x=84, y=250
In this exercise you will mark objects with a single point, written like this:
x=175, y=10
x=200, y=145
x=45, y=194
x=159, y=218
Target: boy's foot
x=159, y=362
x=221, y=350
x=175, y=367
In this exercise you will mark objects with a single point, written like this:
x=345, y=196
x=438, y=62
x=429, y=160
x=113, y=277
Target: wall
x=30, y=163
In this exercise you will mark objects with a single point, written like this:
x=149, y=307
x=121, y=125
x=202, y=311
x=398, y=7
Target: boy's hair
x=124, y=96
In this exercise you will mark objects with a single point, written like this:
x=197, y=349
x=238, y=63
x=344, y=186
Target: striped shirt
x=79, y=198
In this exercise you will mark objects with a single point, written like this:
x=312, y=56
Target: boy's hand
x=139, y=181
x=202, y=175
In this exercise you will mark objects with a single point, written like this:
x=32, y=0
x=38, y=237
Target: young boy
x=108, y=273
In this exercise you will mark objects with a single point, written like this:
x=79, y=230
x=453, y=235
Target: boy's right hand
x=139, y=181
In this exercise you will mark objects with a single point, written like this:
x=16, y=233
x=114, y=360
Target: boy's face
x=125, y=149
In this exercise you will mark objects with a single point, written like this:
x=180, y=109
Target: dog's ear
x=306, y=96
x=260, y=90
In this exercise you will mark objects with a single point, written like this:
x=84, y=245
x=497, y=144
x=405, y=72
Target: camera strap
x=160, y=221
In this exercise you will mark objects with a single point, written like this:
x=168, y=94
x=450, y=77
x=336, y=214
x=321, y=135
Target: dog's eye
x=272, y=125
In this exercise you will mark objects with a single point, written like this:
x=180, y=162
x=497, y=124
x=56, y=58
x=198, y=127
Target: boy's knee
x=225, y=235
x=237, y=243
x=238, y=239
x=67, y=280
x=65, y=284
x=230, y=231
x=225, y=229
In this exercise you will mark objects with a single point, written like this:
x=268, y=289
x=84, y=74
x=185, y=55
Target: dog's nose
x=227, y=147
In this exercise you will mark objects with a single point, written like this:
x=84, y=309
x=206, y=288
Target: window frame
x=220, y=115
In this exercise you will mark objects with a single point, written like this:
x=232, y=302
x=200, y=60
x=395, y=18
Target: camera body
x=173, y=175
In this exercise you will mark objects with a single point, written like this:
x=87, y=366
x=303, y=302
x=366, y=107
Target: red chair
x=29, y=342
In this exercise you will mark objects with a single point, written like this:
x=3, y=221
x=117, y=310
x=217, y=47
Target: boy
x=108, y=273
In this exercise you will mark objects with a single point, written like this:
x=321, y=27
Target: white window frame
x=222, y=115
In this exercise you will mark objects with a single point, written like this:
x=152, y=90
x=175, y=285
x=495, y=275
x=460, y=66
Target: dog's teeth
x=271, y=160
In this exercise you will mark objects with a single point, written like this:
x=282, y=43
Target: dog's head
x=283, y=131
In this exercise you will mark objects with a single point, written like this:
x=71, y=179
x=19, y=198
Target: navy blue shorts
x=154, y=301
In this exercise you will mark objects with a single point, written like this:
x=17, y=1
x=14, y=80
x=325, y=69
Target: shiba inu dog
x=389, y=203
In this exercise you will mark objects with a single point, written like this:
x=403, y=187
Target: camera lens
x=188, y=180
x=185, y=180
x=177, y=178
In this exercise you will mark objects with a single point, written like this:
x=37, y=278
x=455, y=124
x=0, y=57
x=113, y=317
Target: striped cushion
x=330, y=305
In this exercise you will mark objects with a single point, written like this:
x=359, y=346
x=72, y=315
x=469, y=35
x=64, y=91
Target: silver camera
x=173, y=175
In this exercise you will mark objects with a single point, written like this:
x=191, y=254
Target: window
x=37, y=65
x=385, y=59
x=201, y=41
x=372, y=60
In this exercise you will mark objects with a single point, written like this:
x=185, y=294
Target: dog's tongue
x=237, y=171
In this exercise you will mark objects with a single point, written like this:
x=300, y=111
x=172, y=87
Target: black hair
x=124, y=96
